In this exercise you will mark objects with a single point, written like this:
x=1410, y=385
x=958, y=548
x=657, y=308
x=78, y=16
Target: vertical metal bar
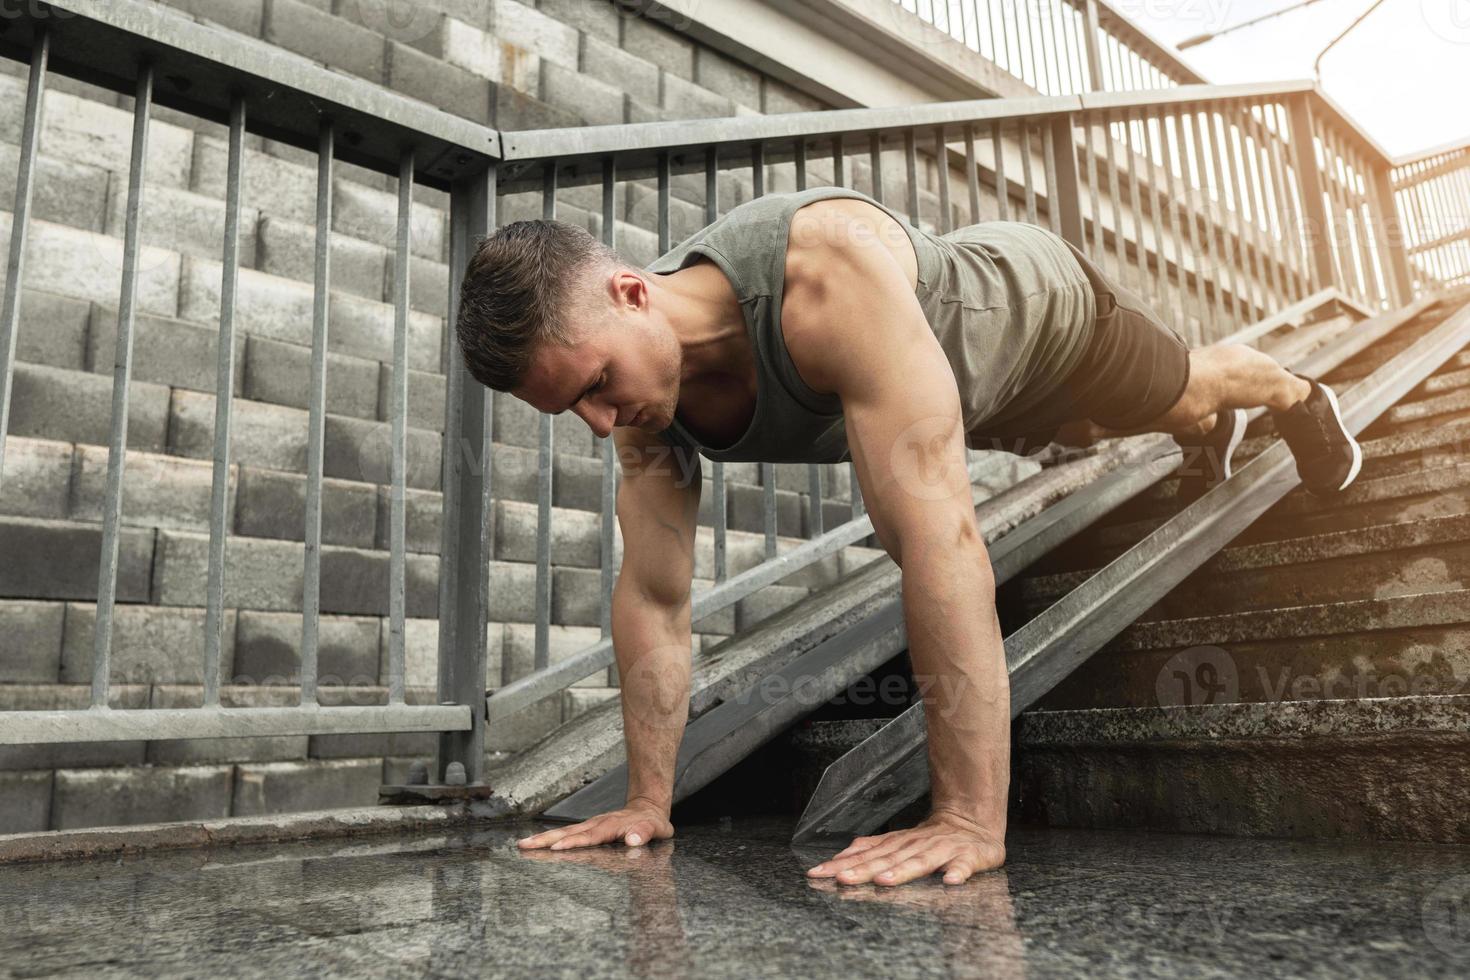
x=1026, y=179
x=946, y=206
x=1173, y=168
x=546, y=458
x=1391, y=231
x=1088, y=147
x=813, y=471
x=1228, y=242
x=465, y=548
x=224, y=395
x=1291, y=244
x=1090, y=35
x=122, y=377
x=711, y=213
x=1002, y=185
x=398, y=406
x=1076, y=85
x=311, y=584
x=1140, y=251
x=875, y=164
x=1309, y=180
x=1271, y=202
x=1120, y=240
x=972, y=175
x=1250, y=151
x=1245, y=286
x=911, y=173
x=1054, y=59
x=767, y=470
x=1161, y=271
x=609, y=448
x=25, y=186
x=1341, y=237
x=1200, y=176
x=839, y=162
x=1049, y=171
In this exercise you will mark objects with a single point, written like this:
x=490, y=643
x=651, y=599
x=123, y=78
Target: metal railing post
x=1066, y=193
x=1309, y=184
x=1388, y=228
x=465, y=547
x=1094, y=59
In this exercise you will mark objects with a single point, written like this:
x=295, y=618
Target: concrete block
x=67, y=193
x=84, y=131
x=52, y=330
x=75, y=406
x=525, y=727
x=781, y=98
x=459, y=45
x=263, y=435
x=360, y=450
x=423, y=520
x=111, y=797
x=598, y=19
x=576, y=595
x=562, y=642
x=355, y=581
x=166, y=351
x=521, y=25
x=365, y=328
x=595, y=103
x=747, y=510
x=272, y=504
x=428, y=287
x=410, y=23
x=179, y=220
x=333, y=41
x=150, y=644
x=636, y=246
x=268, y=650
x=720, y=623
x=25, y=801
x=288, y=249
x=604, y=61
x=685, y=218
x=203, y=751
x=276, y=186
x=576, y=535
x=262, y=574
x=158, y=491
x=37, y=474
x=686, y=100
x=515, y=110
x=372, y=215
x=30, y=641
x=58, y=560
x=766, y=603
x=291, y=787
x=447, y=86
x=425, y=398
x=244, y=16
x=652, y=40
x=279, y=372
x=576, y=700
x=512, y=592
x=737, y=82
x=87, y=265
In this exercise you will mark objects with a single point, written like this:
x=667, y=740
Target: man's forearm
x=958, y=659
x=652, y=646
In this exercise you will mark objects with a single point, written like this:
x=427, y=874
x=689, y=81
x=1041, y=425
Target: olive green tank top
x=1008, y=303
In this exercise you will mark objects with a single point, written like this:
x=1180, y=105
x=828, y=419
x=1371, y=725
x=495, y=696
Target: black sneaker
x=1207, y=457
x=1328, y=458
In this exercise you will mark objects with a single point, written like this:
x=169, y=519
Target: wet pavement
x=730, y=900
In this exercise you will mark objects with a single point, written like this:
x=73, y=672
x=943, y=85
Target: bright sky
x=1403, y=74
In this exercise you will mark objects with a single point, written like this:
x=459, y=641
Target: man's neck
x=702, y=310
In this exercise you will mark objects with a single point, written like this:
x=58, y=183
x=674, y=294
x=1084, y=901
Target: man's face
x=623, y=364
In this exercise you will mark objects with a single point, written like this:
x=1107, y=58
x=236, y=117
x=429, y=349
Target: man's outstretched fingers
x=870, y=869
x=838, y=864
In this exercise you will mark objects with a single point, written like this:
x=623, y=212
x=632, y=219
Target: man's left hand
x=947, y=841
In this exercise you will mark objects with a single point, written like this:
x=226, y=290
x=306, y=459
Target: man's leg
x=1221, y=376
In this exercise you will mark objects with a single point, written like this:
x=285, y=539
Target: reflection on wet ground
x=731, y=899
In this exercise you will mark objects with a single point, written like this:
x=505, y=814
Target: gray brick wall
x=504, y=62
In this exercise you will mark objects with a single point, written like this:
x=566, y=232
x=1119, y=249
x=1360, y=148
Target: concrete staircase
x=1311, y=679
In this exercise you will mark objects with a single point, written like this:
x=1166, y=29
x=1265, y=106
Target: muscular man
x=821, y=327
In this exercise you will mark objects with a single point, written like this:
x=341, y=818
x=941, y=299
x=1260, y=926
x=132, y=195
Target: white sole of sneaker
x=1238, y=415
x=1352, y=473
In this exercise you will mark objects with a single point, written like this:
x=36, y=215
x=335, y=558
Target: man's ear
x=629, y=290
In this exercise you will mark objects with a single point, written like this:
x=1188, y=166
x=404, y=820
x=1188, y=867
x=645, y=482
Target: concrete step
x=1380, y=561
x=1379, y=647
x=1374, y=768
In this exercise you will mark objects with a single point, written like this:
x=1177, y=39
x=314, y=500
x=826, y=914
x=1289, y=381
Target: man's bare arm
x=658, y=507
x=848, y=299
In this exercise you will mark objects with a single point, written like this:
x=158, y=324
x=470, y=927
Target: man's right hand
x=637, y=823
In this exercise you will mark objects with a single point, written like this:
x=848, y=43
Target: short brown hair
x=514, y=297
